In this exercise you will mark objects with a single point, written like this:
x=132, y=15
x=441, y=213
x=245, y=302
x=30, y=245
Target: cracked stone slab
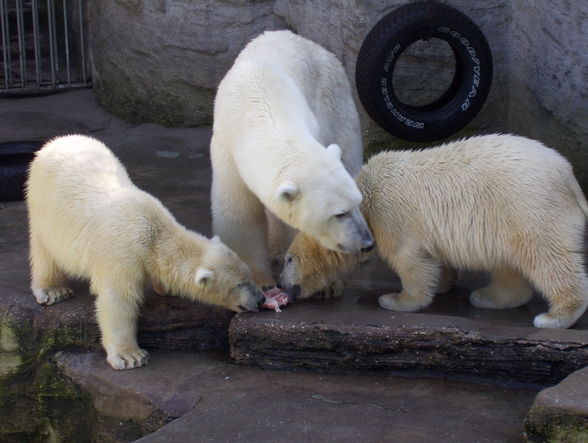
x=255, y=405
x=165, y=388
x=451, y=337
x=560, y=413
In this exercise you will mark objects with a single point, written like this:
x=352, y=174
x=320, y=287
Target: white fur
x=498, y=203
x=87, y=220
x=284, y=100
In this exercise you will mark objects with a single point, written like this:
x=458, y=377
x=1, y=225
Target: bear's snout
x=250, y=296
x=368, y=247
x=293, y=292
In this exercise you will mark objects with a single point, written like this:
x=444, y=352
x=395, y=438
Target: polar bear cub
x=88, y=220
x=498, y=203
x=286, y=138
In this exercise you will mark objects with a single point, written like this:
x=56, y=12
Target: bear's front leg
x=239, y=219
x=117, y=310
x=420, y=278
x=47, y=280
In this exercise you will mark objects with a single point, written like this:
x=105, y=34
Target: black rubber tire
x=380, y=52
x=15, y=158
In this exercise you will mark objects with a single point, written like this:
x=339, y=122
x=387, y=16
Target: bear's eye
x=342, y=214
x=289, y=259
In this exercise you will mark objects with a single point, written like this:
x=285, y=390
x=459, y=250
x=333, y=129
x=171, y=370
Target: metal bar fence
x=43, y=45
x=5, y=42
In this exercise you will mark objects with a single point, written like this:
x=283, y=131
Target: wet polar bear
x=283, y=101
x=88, y=220
x=499, y=203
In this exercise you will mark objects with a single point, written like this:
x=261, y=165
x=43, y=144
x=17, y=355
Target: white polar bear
x=499, y=203
x=88, y=220
x=282, y=102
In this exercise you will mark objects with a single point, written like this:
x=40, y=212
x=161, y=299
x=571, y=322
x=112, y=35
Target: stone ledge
x=150, y=396
x=353, y=334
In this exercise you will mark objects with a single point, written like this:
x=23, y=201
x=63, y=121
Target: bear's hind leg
x=508, y=289
x=420, y=276
x=47, y=280
x=117, y=311
x=563, y=283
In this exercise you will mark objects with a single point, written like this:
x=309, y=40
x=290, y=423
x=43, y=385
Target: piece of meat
x=274, y=298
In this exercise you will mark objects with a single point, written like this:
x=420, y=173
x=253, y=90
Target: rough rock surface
x=161, y=61
x=218, y=401
x=549, y=77
x=560, y=413
x=451, y=337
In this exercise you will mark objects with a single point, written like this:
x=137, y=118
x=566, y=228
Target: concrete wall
x=162, y=60
x=548, y=76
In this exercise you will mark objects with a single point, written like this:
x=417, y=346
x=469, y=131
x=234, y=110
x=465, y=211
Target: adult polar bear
x=285, y=99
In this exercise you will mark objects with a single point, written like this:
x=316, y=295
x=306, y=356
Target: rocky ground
x=322, y=370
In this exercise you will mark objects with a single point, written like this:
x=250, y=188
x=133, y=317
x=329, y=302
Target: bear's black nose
x=294, y=293
x=368, y=248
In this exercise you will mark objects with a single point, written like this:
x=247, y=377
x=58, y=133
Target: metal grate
x=43, y=46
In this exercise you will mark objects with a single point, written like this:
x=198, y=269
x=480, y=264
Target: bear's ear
x=287, y=191
x=334, y=150
x=203, y=276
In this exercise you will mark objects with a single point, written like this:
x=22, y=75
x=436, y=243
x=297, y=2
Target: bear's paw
x=50, y=296
x=133, y=358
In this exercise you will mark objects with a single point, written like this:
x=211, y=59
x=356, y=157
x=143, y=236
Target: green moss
x=38, y=403
x=59, y=339
x=65, y=412
x=547, y=425
x=135, y=105
x=9, y=363
x=8, y=338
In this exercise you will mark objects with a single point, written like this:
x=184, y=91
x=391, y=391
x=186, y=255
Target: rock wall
x=161, y=61
x=548, y=45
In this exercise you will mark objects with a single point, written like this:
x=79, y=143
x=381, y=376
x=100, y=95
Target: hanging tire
x=15, y=158
x=387, y=41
